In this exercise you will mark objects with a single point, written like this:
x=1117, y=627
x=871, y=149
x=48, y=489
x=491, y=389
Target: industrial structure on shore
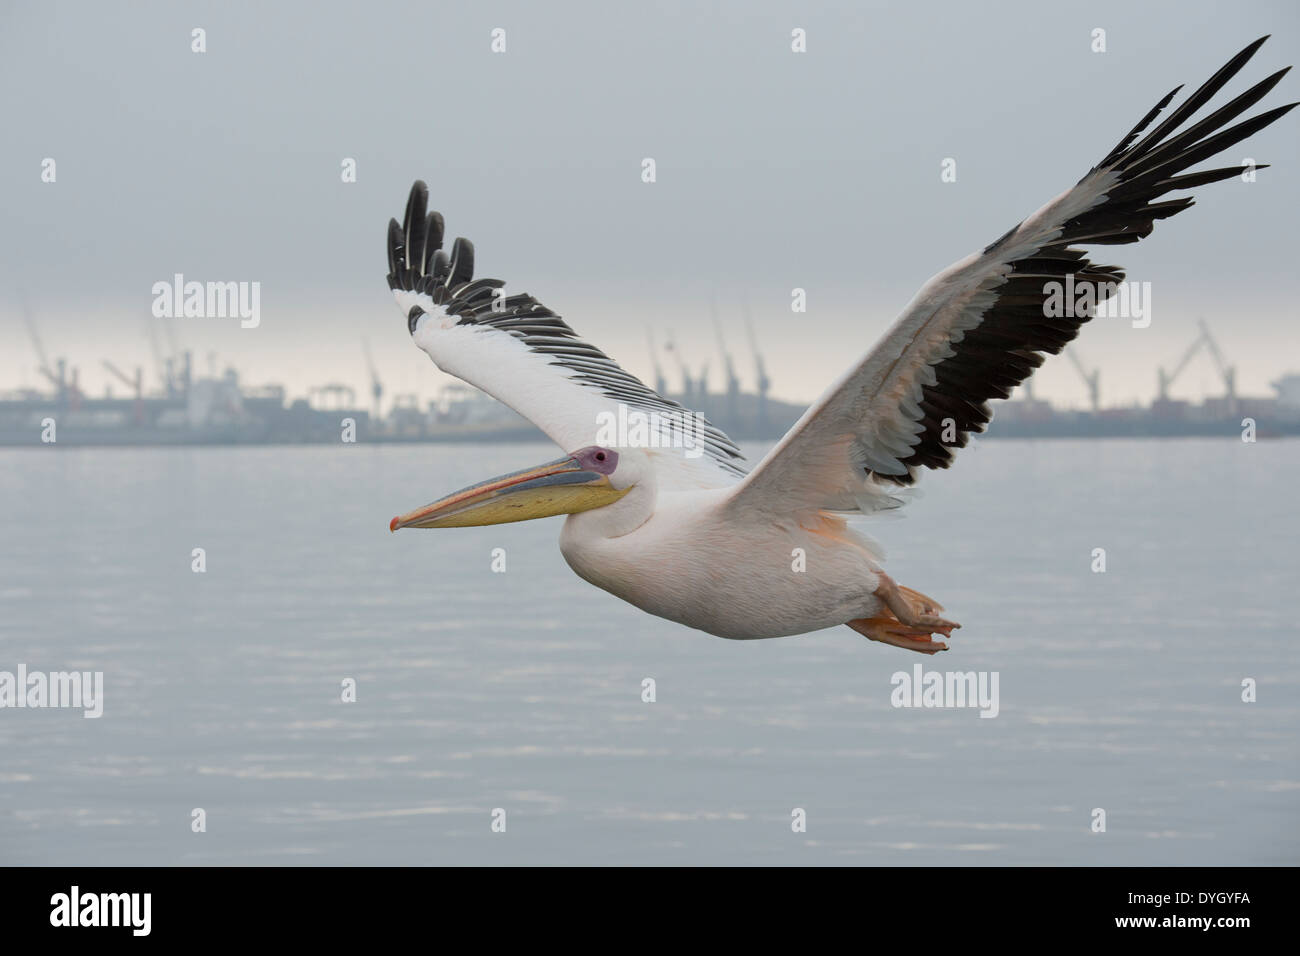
x=191, y=409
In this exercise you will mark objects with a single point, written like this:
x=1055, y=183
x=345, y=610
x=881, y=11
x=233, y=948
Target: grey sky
x=775, y=170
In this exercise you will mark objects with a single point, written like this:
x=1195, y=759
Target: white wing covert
x=521, y=353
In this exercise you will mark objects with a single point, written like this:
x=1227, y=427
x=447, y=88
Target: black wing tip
x=395, y=242
x=1243, y=56
x=1128, y=151
x=434, y=229
x=417, y=261
x=415, y=247
x=1151, y=165
x=982, y=367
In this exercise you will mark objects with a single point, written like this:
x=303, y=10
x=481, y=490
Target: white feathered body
x=692, y=562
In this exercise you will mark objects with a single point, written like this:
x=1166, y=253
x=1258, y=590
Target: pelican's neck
x=622, y=517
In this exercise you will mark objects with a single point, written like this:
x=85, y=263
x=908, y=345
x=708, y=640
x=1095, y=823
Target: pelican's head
x=590, y=478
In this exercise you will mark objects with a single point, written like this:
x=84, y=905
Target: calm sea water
x=480, y=690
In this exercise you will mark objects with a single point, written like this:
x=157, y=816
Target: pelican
x=671, y=519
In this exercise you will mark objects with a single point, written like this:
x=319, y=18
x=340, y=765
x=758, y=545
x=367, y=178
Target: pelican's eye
x=603, y=461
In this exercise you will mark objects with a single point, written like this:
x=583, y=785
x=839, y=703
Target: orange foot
x=907, y=620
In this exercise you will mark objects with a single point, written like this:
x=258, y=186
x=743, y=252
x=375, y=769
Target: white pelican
x=688, y=533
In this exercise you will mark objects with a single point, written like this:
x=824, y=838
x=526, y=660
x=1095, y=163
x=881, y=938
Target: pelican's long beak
x=558, y=487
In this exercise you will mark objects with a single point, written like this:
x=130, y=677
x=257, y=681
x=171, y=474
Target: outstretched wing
x=523, y=354
x=979, y=328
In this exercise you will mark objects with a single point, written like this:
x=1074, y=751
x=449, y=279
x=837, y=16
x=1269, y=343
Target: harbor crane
x=59, y=378
x=763, y=381
x=376, y=388
x=162, y=366
x=702, y=382
x=1227, y=372
x=44, y=367
x=733, y=382
x=1092, y=380
x=1165, y=380
x=688, y=384
x=661, y=383
x=180, y=361
x=135, y=384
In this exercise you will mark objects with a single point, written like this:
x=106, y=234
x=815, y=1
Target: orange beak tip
x=392, y=525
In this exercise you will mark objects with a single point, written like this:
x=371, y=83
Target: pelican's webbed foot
x=908, y=619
